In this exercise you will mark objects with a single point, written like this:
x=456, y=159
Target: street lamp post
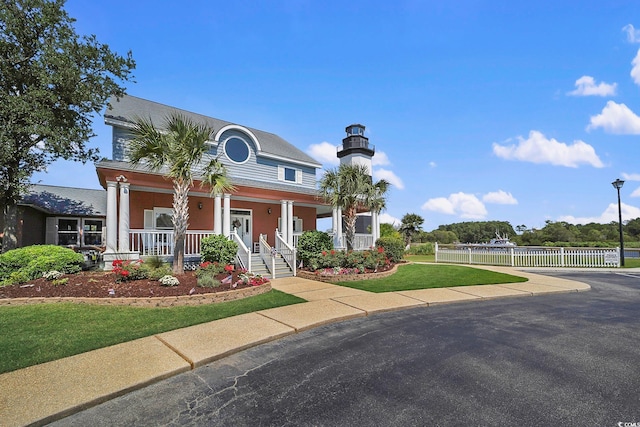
x=617, y=184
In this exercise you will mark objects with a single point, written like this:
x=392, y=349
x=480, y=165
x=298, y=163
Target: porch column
x=112, y=216
x=375, y=227
x=123, y=227
x=339, y=229
x=290, y=222
x=226, y=219
x=284, y=228
x=217, y=214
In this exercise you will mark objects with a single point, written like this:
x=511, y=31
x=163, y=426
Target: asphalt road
x=557, y=360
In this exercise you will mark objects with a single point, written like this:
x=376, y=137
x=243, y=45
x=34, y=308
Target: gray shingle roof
x=66, y=200
x=129, y=107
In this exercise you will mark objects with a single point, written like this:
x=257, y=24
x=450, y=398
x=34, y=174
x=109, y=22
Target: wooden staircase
x=258, y=267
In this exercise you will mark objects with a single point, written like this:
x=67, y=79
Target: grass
x=33, y=334
x=427, y=276
x=420, y=258
x=632, y=263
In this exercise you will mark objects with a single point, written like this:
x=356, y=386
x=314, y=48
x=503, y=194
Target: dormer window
x=236, y=150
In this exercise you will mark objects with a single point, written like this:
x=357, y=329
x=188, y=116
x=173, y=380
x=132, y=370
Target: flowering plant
x=228, y=268
x=128, y=270
x=169, y=280
x=251, y=279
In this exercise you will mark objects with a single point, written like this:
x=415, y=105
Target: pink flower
x=228, y=268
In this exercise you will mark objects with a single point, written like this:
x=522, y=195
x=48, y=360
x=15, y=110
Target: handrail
x=288, y=252
x=268, y=255
x=244, y=254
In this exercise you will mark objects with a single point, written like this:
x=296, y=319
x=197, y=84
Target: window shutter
x=148, y=219
x=298, y=176
x=280, y=173
x=51, y=231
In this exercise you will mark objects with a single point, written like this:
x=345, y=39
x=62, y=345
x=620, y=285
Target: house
x=276, y=191
x=73, y=217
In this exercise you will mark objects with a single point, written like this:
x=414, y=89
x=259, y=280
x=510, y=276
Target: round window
x=236, y=150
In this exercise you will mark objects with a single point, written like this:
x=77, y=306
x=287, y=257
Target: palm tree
x=178, y=150
x=410, y=225
x=350, y=188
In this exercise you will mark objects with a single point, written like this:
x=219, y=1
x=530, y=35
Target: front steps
x=258, y=267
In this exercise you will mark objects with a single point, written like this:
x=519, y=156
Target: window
x=74, y=231
x=236, y=149
x=289, y=174
x=163, y=218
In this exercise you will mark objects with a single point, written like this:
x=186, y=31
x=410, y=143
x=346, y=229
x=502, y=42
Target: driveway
x=562, y=359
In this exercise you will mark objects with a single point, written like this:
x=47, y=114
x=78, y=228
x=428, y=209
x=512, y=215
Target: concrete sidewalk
x=49, y=391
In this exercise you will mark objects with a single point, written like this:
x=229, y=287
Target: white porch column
x=375, y=227
x=290, y=222
x=334, y=226
x=217, y=214
x=283, y=220
x=339, y=233
x=226, y=218
x=112, y=216
x=123, y=223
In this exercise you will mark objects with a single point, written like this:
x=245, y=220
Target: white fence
x=529, y=256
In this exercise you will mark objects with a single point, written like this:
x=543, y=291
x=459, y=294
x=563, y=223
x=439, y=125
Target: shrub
x=169, y=280
x=153, y=262
x=31, y=262
x=393, y=247
x=155, y=273
x=208, y=281
x=311, y=243
x=217, y=248
x=60, y=282
x=424, y=249
x=129, y=270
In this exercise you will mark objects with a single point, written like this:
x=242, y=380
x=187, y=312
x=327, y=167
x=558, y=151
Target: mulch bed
x=102, y=284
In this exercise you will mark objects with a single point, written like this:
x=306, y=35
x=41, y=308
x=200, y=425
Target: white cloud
x=586, y=86
x=388, y=175
x=380, y=159
x=325, y=153
x=635, y=70
x=385, y=218
x=500, y=198
x=631, y=176
x=432, y=164
x=461, y=204
x=538, y=149
x=609, y=215
x=633, y=35
x=616, y=119
x=636, y=193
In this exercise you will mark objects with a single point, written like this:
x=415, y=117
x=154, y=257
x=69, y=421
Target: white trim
x=224, y=150
x=157, y=211
x=289, y=160
x=297, y=179
x=239, y=128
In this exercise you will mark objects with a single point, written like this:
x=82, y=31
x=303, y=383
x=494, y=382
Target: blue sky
x=479, y=110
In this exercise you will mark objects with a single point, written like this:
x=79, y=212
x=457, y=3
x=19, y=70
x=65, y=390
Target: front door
x=241, y=222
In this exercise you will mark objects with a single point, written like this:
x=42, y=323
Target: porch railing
x=244, y=254
x=160, y=242
x=288, y=253
x=360, y=241
x=267, y=254
x=529, y=256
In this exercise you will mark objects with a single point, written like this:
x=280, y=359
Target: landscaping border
x=182, y=300
x=348, y=277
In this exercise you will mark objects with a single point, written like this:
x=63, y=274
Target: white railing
x=244, y=254
x=288, y=253
x=529, y=256
x=267, y=254
x=160, y=242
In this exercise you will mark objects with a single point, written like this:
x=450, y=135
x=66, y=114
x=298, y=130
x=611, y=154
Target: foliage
x=411, y=224
x=350, y=188
x=180, y=145
x=156, y=272
x=208, y=281
x=32, y=342
x=352, y=260
x=206, y=274
x=423, y=249
x=393, y=248
x=129, y=270
x=217, y=248
x=440, y=236
x=52, y=82
x=248, y=278
x=311, y=243
x=479, y=231
x=169, y=280
x=60, y=282
x=31, y=262
x=154, y=262
x=388, y=230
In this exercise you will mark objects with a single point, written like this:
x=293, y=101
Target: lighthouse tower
x=355, y=148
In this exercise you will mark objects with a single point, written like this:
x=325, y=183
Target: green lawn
x=425, y=276
x=631, y=262
x=32, y=334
